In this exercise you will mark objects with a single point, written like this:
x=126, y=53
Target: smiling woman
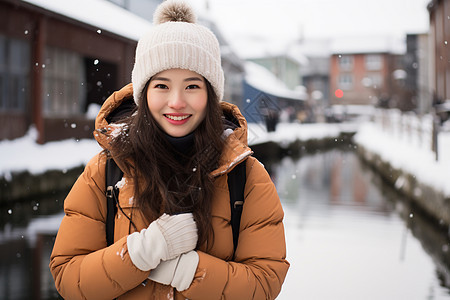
x=176, y=141
x=177, y=100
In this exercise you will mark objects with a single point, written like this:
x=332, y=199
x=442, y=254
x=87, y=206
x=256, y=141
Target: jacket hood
x=121, y=103
x=106, y=122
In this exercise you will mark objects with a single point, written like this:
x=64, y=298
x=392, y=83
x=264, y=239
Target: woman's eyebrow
x=186, y=79
x=194, y=79
x=160, y=78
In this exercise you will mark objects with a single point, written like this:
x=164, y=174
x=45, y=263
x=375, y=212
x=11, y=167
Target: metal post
x=435, y=133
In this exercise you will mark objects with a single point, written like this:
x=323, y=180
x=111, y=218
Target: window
x=373, y=80
x=14, y=74
x=64, y=92
x=345, y=82
x=345, y=62
x=373, y=62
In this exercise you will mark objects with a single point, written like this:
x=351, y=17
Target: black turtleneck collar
x=183, y=144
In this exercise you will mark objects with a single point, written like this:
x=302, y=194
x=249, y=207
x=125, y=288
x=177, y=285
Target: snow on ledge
x=101, y=14
x=24, y=154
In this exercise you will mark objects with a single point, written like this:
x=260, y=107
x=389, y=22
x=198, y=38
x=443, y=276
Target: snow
x=24, y=154
x=101, y=14
x=92, y=111
x=287, y=133
x=399, y=152
x=264, y=80
x=120, y=184
x=419, y=162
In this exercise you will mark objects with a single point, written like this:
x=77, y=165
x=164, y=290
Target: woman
x=172, y=237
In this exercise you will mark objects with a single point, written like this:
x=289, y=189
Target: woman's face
x=177, y=100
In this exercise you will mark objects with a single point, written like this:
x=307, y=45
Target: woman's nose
x=176, y=101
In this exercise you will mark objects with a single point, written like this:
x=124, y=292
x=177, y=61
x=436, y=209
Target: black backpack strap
x=113, y=175
x=236, y=187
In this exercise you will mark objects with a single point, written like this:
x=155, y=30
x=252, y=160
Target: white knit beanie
x=177, y=41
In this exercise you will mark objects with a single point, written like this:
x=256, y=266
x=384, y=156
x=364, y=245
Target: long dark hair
x=166, y=180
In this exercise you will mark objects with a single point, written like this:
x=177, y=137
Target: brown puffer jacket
x=84, y=268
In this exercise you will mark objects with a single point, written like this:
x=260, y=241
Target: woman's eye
x=161, y=86
x=192, y=86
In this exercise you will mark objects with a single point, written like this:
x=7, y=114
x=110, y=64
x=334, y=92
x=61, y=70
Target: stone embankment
x=25, y=186
x=434, y=203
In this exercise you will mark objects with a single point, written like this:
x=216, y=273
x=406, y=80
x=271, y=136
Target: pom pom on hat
x=174, y=11
x=176, y=41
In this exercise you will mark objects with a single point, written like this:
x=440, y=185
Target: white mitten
x=178, y=272
x=165, y=238
x=184, y=274
x=165, y=271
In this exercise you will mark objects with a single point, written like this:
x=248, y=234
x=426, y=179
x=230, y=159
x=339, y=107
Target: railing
x=417, y=131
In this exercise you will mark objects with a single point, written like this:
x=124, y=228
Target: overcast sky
x=288, y=19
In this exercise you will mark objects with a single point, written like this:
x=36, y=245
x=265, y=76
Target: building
x=440, y=50
x=283, y=63
x=233, y=66
x=142, y=8
x=417, y=72
x=268, y=99
x=284, y=67
x=272, y=85
x=57, y=60
x=315, y=74
x=361, y=70
x=281, y=59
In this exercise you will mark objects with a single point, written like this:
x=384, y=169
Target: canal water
x=351, y=237
x=348, y=235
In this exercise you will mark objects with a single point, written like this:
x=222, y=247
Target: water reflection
x=28, y=231
x=350, y=237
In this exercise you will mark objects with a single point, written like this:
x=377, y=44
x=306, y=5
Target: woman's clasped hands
x=166, y=248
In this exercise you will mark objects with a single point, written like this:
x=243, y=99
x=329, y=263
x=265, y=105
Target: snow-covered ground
x=402, y=153
x=406, y=155
x=24, y=154
x=287, y=133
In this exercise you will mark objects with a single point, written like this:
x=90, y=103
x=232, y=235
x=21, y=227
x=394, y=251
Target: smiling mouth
x=177, y=118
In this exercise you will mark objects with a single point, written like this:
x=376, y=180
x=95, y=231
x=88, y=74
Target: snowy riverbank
x=420, y=162
x=411, y=167
x=24, y=155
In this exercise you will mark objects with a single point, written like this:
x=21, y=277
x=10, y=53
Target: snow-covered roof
x=368, y=44
x=254, y=48
x=263, y=80
x=101, y=14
